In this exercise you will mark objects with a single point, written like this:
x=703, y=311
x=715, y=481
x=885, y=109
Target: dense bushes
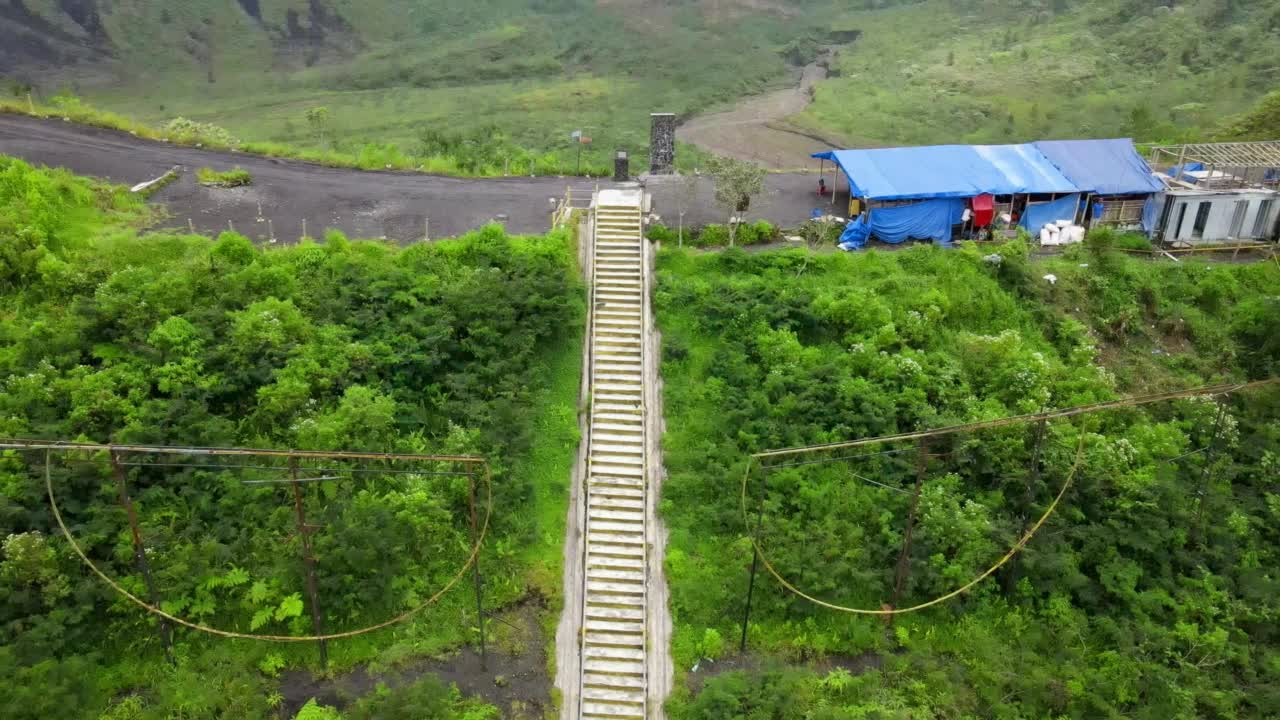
x=715, y=235
x=1142, y=598
x=185, y=341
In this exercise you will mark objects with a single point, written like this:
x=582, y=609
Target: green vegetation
x=947, y=71
x=1142, y=598
x=237, y=177
x=467, y=345
x=716, y=235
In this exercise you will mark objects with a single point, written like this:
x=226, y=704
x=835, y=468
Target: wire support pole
x=755, y=564
x=308, y=562
x=1222, y=389
x=1197, y=532
x=475, y=566
x=903, y=570
x=1033, y=479
x=139, y=551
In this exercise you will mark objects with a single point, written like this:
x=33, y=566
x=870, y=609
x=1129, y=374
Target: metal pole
x=471, y=503
x=308, y=560
x=304, y=228
x=751, y=584
x=1033, y=478
x=1198, y=530
x=578, y=170
x=904, y=569
x=140, y=553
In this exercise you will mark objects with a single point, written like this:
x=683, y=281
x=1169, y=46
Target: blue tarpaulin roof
x=1108, y=167
x=1105, y=167
x=948, y=171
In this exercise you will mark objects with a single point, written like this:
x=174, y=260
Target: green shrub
x=661, y=233
x=190, y=132
x=237, y=177
x=713, y=235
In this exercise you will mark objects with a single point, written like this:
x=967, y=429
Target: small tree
x=318, y=119
x=737, y=181
x=688, y=190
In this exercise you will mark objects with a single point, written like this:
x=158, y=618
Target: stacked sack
x=1061, y=232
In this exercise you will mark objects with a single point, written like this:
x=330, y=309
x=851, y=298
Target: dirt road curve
x=394, y=205
x=756, y=128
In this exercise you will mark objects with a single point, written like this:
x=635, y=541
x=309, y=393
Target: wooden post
x=426, y=229
x=755, y=563
x=31, y=104
x=903, y=571
x=191, y=226
x=475, y=567
x=304, y=228
x=140, y=552
x=1182, y=156
x=271, y=230
x=308, y=560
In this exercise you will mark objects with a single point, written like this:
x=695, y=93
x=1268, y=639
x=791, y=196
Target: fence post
x=140, y=552
x=751, y=583
x=308, y=560
x=1198, y=530
x=903, y=571
x=471, y=503
x=1033, y=478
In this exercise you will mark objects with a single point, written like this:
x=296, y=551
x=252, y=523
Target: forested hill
x=531, y=71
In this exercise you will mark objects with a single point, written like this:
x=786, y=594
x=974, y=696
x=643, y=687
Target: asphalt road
x=392, y=205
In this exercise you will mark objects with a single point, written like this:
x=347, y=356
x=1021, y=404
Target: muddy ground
x=392, y=205
x=516, y=682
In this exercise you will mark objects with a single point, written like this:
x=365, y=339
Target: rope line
x=1223, y=389
x=475, y=552
x=1026, y=538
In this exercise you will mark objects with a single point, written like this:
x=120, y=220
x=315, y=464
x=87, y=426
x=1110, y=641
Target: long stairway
x=614, y=682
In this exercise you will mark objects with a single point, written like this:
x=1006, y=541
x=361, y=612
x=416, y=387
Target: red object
x=984, y=210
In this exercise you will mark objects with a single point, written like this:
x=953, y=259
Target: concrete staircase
x=614, y=668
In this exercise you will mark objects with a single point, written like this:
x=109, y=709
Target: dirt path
x=757, y=129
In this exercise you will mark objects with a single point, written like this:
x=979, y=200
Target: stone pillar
x=621, y=166
x=662, y=144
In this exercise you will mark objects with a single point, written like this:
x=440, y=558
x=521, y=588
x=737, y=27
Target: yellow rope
x=901, y=611
x=475, y=552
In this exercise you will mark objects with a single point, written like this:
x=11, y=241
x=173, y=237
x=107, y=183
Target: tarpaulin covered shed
x=948, y=171
x=1101, y=167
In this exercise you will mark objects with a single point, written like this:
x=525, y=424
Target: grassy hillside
x=994, y=71
x=526, y=73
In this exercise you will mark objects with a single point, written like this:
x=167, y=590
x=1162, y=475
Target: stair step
x=621, y=682
x=618, y=613
x=635, y=577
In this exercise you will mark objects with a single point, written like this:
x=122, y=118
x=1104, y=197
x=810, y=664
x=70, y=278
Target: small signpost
x=580, y=140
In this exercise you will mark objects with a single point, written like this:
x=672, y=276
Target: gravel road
x=394, y=205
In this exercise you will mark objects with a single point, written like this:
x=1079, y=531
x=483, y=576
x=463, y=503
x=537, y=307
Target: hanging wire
x=472, y=558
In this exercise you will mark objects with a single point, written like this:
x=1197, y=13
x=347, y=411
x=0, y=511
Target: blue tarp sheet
x=1102, y=167
x=948, y=171
x=927, y=220
x=1150, y=214
x=1189, y=167
x=1038, y=214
